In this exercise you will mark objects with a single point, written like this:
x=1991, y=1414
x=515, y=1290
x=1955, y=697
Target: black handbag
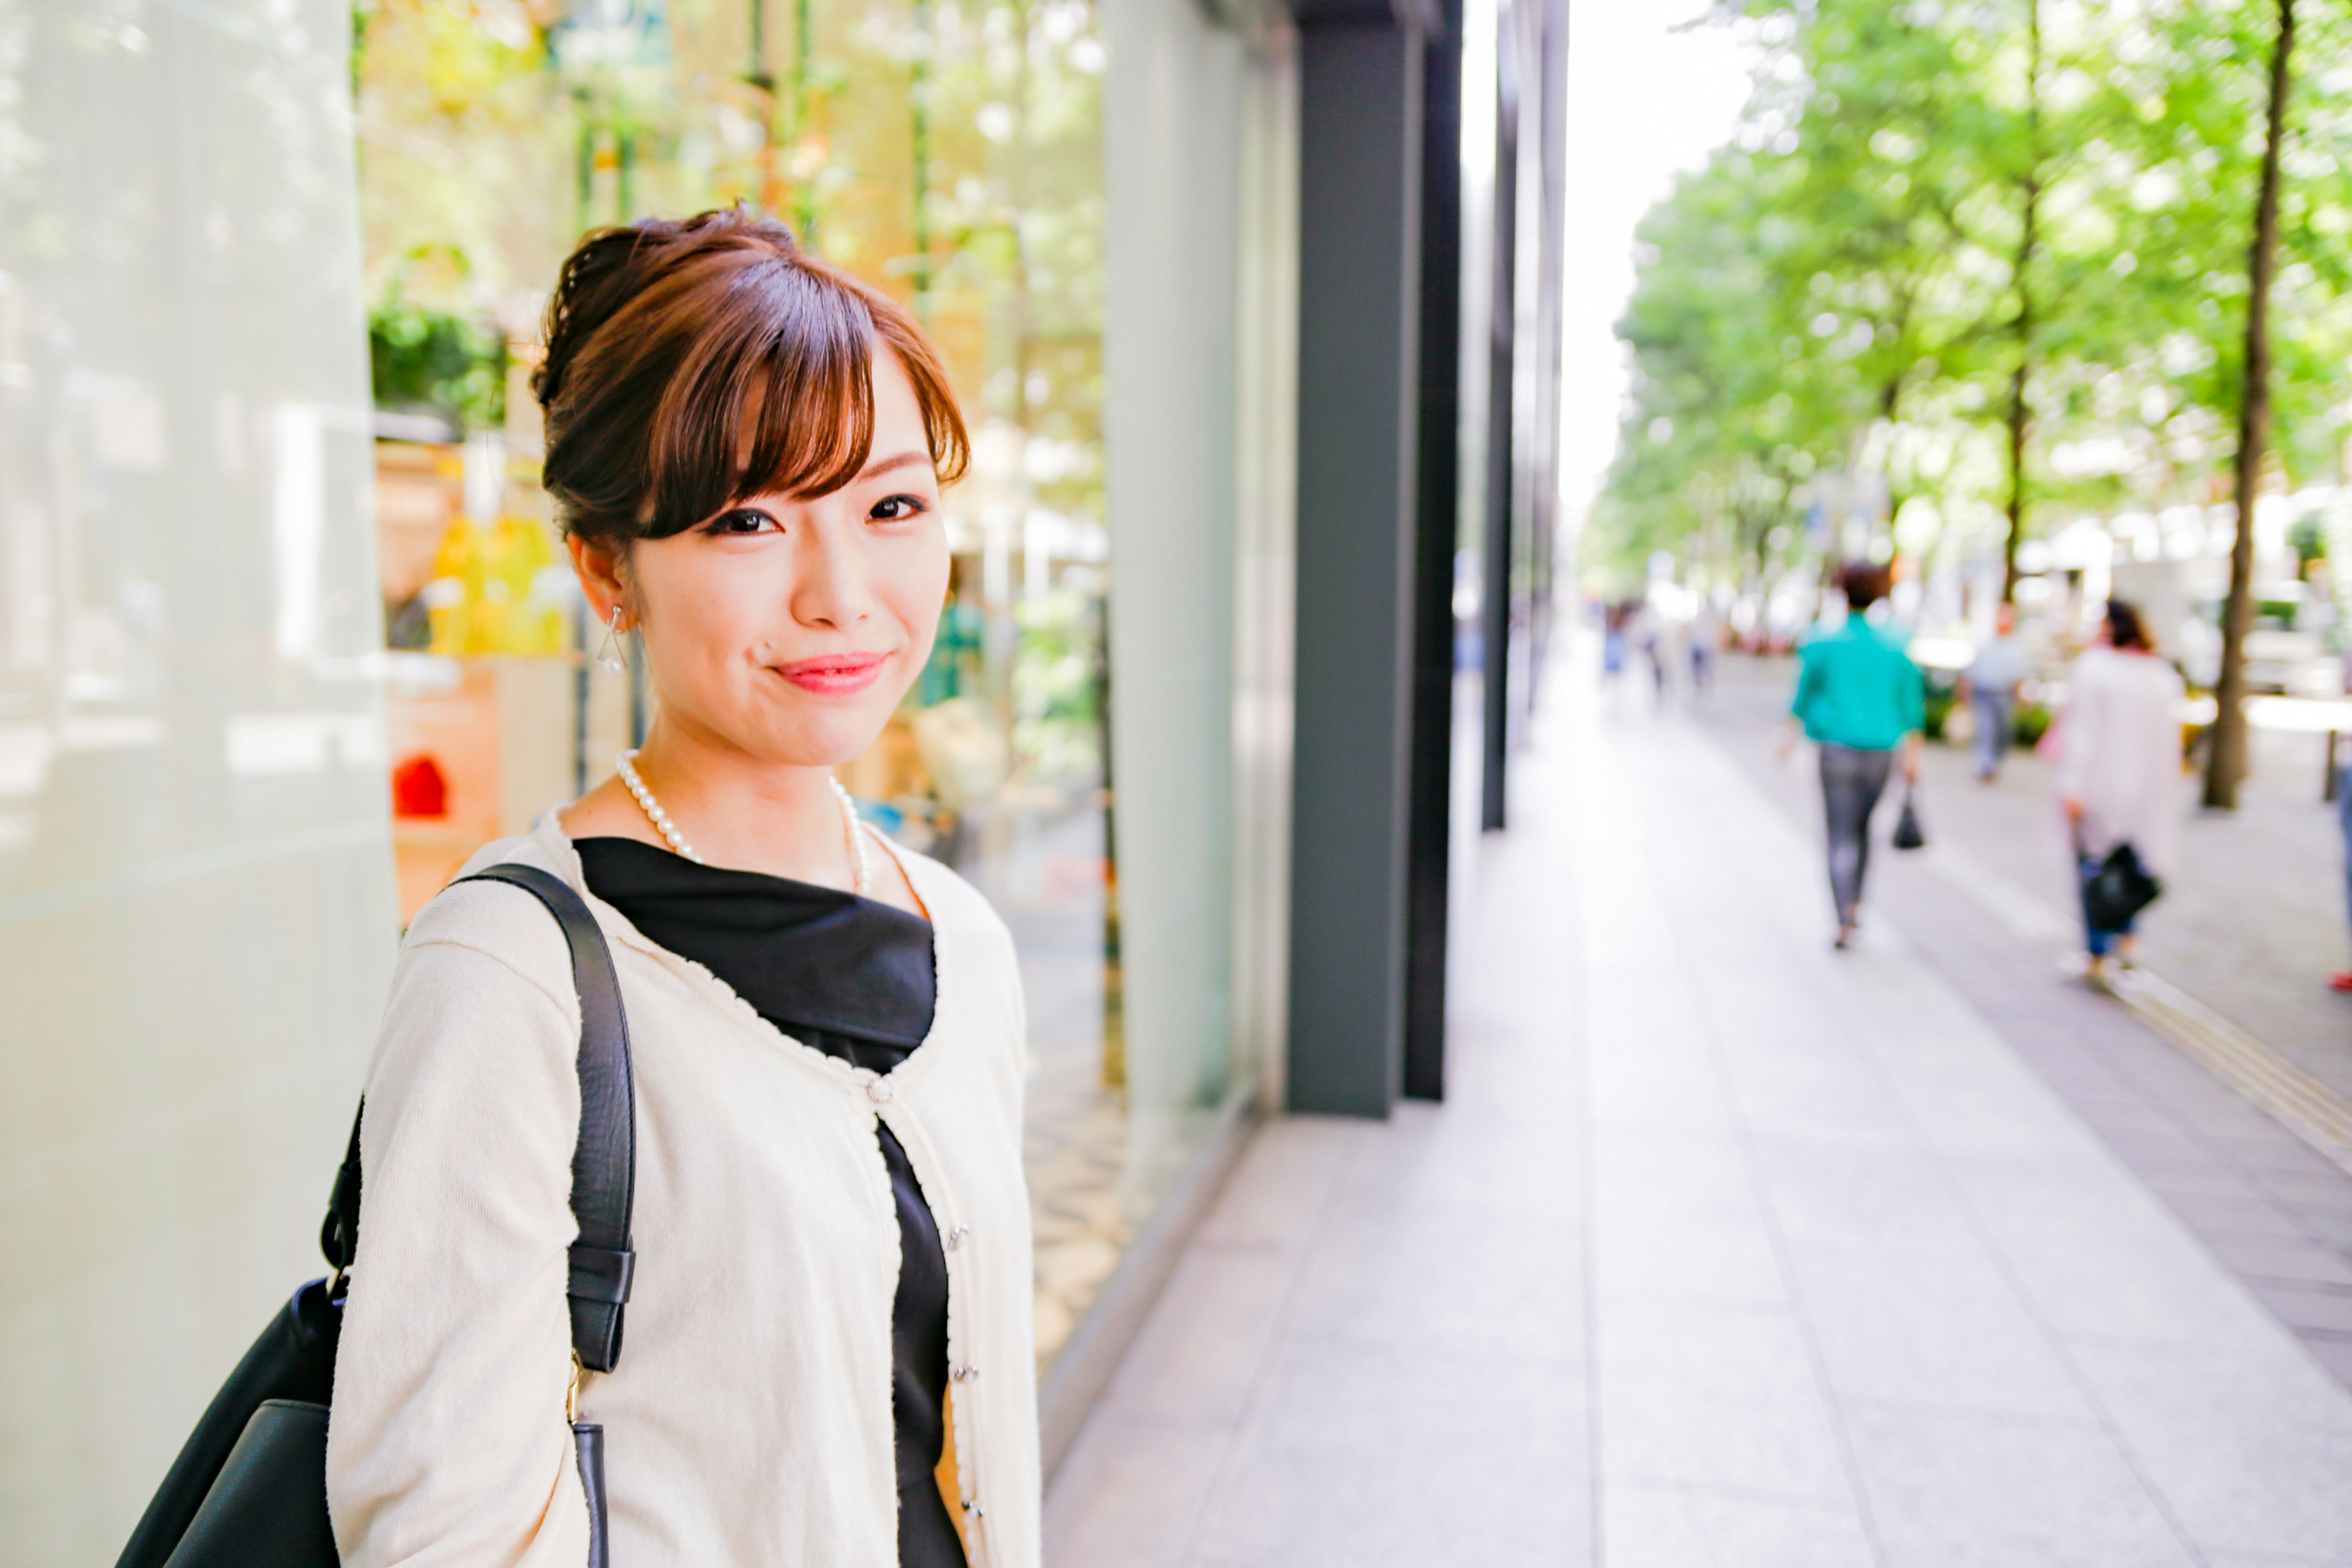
x=2116, y=890
x=1909, y=834
x=249, y=1488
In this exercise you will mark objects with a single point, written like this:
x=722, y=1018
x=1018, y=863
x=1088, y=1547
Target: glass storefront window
x=949, y=152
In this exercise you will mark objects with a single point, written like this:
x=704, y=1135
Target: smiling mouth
x=834, y=674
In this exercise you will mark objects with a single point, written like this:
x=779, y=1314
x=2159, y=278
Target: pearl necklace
x=627, y=766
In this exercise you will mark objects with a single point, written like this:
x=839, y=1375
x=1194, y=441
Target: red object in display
x=419, y=787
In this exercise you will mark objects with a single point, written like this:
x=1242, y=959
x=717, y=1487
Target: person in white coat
x=830, y=1358
x=2119, y=755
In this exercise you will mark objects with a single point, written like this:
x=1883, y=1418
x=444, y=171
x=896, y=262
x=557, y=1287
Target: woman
x=2119, y=764
x=747, y=449
x=1860, y=698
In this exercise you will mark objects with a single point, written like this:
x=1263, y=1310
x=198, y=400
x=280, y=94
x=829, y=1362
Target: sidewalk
x=1725, y=1249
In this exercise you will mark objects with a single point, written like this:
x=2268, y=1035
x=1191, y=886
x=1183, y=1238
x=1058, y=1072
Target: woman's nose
x=832, y=588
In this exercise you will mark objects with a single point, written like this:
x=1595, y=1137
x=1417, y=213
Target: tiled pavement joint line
x=1231, y=1445
x=1574, y=870
x=2308, y=1108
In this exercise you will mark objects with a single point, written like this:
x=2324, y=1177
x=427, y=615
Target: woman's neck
x=742, y=811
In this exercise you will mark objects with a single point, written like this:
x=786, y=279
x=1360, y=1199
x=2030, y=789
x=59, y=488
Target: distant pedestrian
x=2343, y=814
x=2119, y=772
x=1613, y=643
x=1650, y=636
x=1705, y=635
x=2000, y=668
x=1861, y=699
x=2342, y=980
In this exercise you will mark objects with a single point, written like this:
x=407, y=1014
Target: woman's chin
x=825, y=739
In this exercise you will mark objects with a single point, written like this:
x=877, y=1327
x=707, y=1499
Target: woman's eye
x=898, y=508
x=742, y=521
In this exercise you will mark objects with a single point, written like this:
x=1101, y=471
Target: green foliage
x=429, y=360
x=1834, y=314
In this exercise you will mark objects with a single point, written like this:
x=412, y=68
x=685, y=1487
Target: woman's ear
x=599, y=570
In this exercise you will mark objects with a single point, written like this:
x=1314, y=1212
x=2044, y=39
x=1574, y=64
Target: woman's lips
x=834, y=674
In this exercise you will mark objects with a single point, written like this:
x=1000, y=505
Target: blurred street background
x=1416, y=443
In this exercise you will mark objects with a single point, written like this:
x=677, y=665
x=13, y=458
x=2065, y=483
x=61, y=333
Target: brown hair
x=691, y=364
x=1864, y=583
x=2125, y=627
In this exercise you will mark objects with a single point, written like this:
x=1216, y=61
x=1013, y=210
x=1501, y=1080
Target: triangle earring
x=608, y=653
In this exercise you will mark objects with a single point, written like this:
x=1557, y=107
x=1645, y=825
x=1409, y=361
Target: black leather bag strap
x=604, y=1160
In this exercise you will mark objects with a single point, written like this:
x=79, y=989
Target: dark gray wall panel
x=1359, y=177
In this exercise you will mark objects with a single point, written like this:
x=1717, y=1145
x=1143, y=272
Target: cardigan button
x=879, y=1090
x=955, y=1237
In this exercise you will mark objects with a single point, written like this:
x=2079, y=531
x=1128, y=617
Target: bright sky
x=1644, y=101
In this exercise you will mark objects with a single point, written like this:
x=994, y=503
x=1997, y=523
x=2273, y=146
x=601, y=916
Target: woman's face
x=789, y=629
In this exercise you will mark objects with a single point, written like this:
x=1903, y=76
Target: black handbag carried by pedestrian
x=1909, y=834
x=2116, y=888
x=249, y=1488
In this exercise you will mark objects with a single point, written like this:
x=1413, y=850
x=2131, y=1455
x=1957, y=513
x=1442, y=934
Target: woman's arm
x=447, y=1442
x=2081, y=742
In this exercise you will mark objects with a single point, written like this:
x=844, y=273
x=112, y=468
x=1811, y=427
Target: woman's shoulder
x=951, y=901
x=497, y=920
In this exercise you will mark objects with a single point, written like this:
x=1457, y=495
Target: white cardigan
x=2119, y=755
x=748, y=1423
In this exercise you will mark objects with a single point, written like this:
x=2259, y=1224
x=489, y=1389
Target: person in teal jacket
x=1861, y=701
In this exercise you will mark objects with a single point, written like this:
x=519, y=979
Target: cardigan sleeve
x=447, y=1442
x=2080, y=738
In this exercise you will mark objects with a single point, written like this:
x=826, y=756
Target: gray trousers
x=1996, y=722
x=1851, y=782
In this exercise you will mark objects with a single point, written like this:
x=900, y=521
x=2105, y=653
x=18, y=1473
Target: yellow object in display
x=486, y=595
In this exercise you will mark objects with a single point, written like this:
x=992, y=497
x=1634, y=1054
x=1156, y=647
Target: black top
x=854, y=979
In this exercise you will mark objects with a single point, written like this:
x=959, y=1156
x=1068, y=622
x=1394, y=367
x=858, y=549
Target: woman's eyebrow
x=896, y=460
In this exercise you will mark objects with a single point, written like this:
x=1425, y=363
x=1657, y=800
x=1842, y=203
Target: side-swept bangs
x=693, y=364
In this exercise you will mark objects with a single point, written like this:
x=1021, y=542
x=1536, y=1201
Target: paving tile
x=1658, y=1241
x=2332, y=1352
x=1449, y=1277
x=1952, y=1488
x=1937, y=1326
x=1198, y=1354
x=2246, y=1439
x=2250, y=1218
x=1659, y=1527
x=2279, y=1152
x=1826, y=1189
x=2325, y=1308
x=2114, y=1265
x=1130, y=1493
x=2261, y=1257
x=1714, y=1396
x=1276, y=1195
x=1448, y=1461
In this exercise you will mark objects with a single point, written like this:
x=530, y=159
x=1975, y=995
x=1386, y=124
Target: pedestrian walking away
x=746, y=448
x=2342, y=979
x=1705, y=635
x=2119, y=758
x=1861, y=701
x=1998, y=669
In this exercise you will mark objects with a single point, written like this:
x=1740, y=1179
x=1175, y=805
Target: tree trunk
x=2022, y=328
x=2226, y=765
